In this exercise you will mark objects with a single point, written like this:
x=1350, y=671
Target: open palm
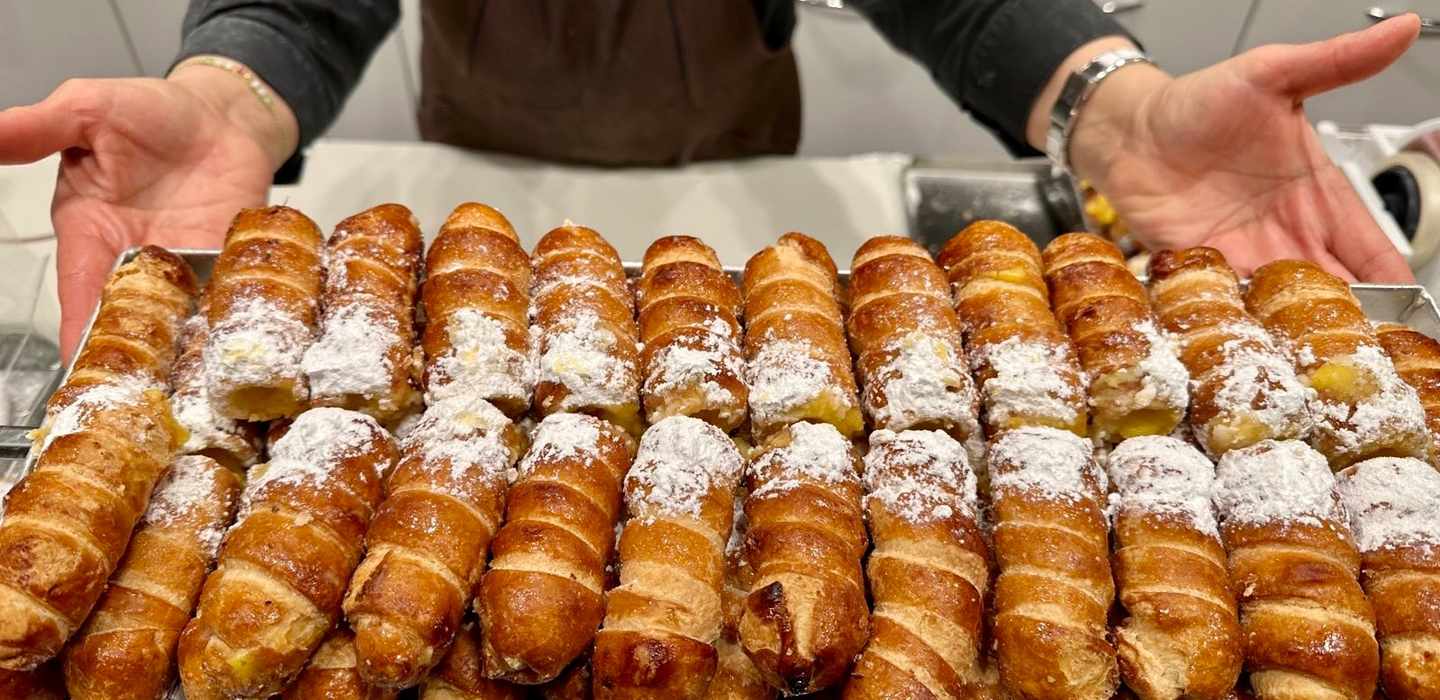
x=143, y=161
x=1225, y=157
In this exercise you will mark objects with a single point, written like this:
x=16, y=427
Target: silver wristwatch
x=1079, y=86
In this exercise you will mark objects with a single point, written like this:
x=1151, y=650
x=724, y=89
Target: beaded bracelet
x=257, y=86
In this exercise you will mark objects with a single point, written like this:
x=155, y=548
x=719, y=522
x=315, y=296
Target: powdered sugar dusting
x=315, y=442
x=1258, y=382
x=1276, y=481
x=1160, y=475
x=1029, y=379
x=919, y=475
x=697, y=362
x=1164, y=381
x=257, y=343
x=479, y=361
x=784, y=376
x=190, y=483
x=816, y=454
x=1046, y=463
x=464, y=435
x=926, y=381
x=563, y=436
x=581, y=355
x=681, y=460
x=1393, y=408
x=1393, y=502
x=75, y=415
x=352, y=355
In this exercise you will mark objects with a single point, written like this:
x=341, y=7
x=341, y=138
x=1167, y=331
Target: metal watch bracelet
x=1078, y=88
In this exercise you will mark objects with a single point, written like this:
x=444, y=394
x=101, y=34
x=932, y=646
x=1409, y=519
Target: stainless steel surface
x=1428, y=25
x=942, y=198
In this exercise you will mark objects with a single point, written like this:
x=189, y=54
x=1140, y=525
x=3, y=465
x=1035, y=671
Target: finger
x=1309, y=69
x=82, y=264
x=54, y=124
x=1370, y=255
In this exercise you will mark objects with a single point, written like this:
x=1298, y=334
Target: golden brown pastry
x=907, y=343
x=364, y=357
x=277, y=587
x=1417, y=360
x=233, y=443
x=264, y=311
x=1309, y=631
x=476, y=299
x=797, y=362
x=67, y=523
x=459, y=677
x=1243, y=384
x=127, y=648
x=43, y=683
x=1180, y=637
x=1051, y=547
x=572, y=684
x=584, y=336
x=332, y=675
x=542, y=598
x=662, y=621
x=928, y=574
x=806, y=617
x=1394, y=504
x=426, y=548
x=1024, y=365
x=137, y=327
x=1137, y=384
x=689, y=324
x=1362, y=408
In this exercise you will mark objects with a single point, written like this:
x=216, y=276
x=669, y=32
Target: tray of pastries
x=349, y=466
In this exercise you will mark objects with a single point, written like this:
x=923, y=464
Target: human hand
x=1225, y=156
x=143, y=160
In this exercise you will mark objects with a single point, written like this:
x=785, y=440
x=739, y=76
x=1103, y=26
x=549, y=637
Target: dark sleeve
x=311, y=52
x=993, y=57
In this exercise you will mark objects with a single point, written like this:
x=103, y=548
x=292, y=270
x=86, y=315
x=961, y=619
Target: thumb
x=82, y=265
x=1305, y=70
x=32, y=132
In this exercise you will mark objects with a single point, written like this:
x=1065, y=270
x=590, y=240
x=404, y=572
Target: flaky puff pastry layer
x=1137, y=384
x=1417, y=360
x=1024, y=366
x=1361, y=407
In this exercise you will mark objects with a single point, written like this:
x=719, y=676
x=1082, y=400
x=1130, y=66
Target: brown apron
x=610, y=82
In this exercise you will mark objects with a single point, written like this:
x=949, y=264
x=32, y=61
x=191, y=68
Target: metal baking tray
x=1400, y=303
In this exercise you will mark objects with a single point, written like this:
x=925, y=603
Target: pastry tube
x=1054, y=589
x=233, y=443
x=1361, y=407
x=542, y=598
x=1180, y=637
x=127, y=647
x=583, y=330
x=476, y=300
x=907, y=343
x=689, y=324
x=66, y=523
x=1394, y=504
x=137, y=326
x=426, y=547
x=928, y=573
x=42, y=683
x=1243, y=385
x=806, y=616
x=797, y=362
x=736, y=677
x=1137, y=384
x=276, y=589
x=1417, y=360
x=1024, y=366
x=332, y=674
x=459, y=677
x=364, y=357
x=662, y=621
x=1309, y=631
x=572, y=684
x=264, y=312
